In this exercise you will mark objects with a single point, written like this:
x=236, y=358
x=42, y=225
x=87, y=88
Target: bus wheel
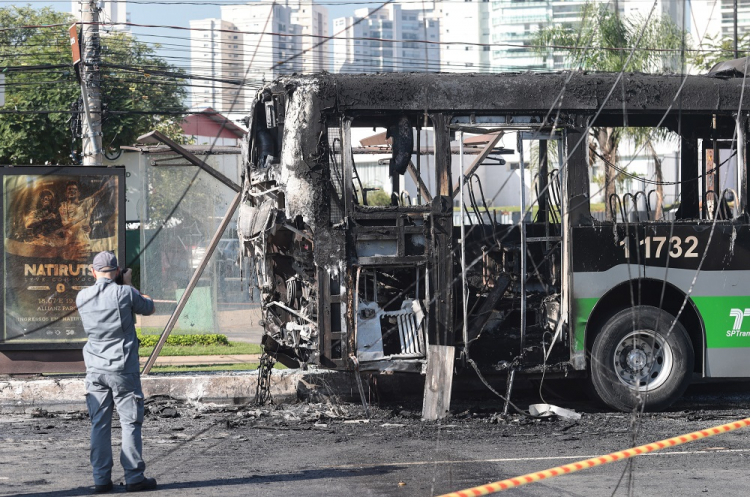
x=637, y=361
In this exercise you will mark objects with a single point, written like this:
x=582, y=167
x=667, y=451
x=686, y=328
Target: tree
x=718, y=49
x=606, y=40
x=41, y=87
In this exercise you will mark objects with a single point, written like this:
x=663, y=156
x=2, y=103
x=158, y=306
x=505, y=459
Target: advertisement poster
x=54, y=224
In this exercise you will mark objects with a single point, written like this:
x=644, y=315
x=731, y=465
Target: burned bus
x=635, y=300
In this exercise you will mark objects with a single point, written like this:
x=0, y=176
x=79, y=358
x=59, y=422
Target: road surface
x=330, y=449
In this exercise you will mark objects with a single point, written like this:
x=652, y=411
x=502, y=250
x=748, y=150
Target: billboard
x=55, y=220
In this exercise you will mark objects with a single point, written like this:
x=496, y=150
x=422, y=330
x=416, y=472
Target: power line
x=325, y=39
x=199, y=3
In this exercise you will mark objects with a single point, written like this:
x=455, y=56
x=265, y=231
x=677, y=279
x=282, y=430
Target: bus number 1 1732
x=655, y=245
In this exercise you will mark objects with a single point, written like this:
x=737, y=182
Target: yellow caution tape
x=499, y=486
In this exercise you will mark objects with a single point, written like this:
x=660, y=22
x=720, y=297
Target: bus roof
x=523, y=93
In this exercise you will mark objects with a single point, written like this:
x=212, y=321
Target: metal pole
x=736, y=51
x=464, y=300
x=741, y=166
x=159, y=137
x=91, y=85
x=523, y=241
x=419, y=165
x=191, y=285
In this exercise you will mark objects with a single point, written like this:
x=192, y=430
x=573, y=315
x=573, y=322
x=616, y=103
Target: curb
x=200, y=360
x=68, y=394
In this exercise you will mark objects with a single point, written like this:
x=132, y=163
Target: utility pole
x=91, y=85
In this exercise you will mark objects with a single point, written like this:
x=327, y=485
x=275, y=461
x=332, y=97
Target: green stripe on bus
x=727, y=324
x=581, y=311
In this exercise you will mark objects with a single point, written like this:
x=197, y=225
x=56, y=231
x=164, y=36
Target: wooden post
x=442, y=155
x=438, y=383
x=441, y=260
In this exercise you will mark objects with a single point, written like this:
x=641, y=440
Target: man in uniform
x=112, y=371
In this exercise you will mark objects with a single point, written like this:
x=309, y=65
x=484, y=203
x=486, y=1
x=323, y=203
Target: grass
x=208, y=368
x=155, y=330
x=234, y=348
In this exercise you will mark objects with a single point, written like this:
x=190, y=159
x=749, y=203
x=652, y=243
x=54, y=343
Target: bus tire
x=645, y=365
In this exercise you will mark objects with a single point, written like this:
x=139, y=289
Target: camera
x=119, y=280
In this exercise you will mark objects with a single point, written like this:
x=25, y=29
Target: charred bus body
x=634, y=303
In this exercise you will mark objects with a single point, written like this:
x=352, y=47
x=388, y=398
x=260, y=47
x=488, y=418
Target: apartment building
x=728, y=15
x=464, y=35
x=389, y=39
x=311, y=21
x=514, y=23
x=217, y=64
x=257, y=41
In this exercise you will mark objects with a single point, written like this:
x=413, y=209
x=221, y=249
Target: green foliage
x=606, y=39
x=37, y=138
x=378, y=197
x=717, y=49
x=612, y=42
x=166, y=186
x=171, y=128
x=185, y=340
x=136, y=277
x=234, y=349
x=216, y=367
x=140, y=89
x=28, y=138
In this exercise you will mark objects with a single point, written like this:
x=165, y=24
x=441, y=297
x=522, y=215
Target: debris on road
x=547, y=410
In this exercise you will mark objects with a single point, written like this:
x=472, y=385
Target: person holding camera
x=113, y=377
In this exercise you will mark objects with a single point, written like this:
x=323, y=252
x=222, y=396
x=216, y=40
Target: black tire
x=645, y=363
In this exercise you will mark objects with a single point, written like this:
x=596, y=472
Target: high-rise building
x=515, y=23
x=464, y=35
x=728, y=15
x=706, y=20
x=112, y=14
x=311, y=22
x=255, y=42
x=216, y=62
x=388, y=39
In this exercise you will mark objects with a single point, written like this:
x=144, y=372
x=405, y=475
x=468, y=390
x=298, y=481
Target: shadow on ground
x=315, y=474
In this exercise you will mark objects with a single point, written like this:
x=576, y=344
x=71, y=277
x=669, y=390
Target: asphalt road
x=329, y=449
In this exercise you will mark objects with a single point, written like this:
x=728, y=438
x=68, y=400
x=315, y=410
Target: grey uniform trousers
x=103, y=391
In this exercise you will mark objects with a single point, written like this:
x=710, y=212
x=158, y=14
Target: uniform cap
x=105, y=262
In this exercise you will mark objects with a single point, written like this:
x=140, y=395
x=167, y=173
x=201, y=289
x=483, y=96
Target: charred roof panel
x=523, y=92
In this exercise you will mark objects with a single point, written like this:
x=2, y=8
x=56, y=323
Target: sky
x=146, y=12
x=180, y=15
